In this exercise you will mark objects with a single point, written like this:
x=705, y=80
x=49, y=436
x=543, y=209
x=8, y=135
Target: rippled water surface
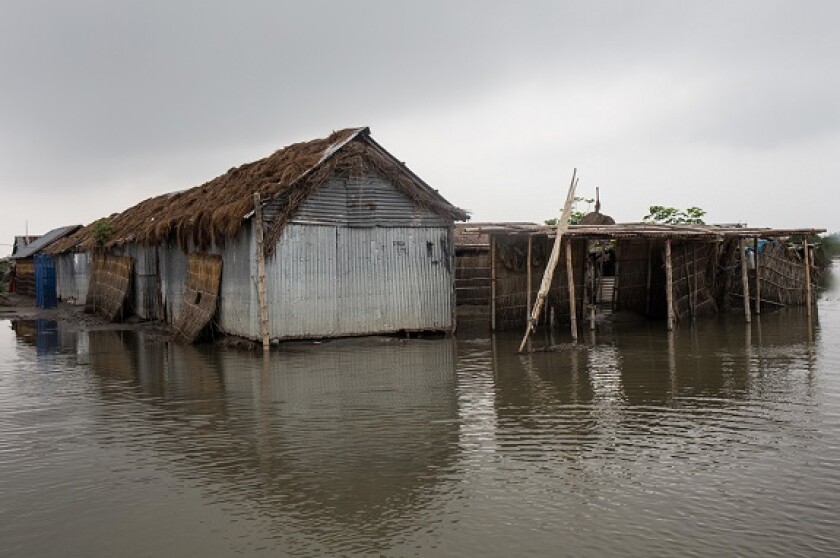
x=723, y=439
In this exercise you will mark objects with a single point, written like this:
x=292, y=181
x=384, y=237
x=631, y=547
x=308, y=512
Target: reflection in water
x=720, y=437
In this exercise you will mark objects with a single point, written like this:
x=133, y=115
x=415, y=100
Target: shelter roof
x=216, y=210
x=648, y=230
x=44, y=241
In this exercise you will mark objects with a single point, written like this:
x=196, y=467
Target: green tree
x=102, y=231
x=674, y=216
x=576, y=214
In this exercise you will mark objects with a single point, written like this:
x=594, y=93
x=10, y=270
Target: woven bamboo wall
x=512, y=280
x=204, y=277
x=25, y=277
x=110, y=281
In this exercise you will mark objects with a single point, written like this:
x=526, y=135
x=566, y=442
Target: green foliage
x=674, y=216
x=102, y=231
x=576, y=214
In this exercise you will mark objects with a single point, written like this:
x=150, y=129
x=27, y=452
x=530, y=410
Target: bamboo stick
x=649, y=275
x=745, y=282
x=570, y=281
x=530, y=285
x=757, y=277
x=669, y=284
x=493, y=282
x=562, y=227
x=808, y=301
x=261, y=294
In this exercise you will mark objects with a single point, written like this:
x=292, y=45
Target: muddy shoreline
x=17, y=307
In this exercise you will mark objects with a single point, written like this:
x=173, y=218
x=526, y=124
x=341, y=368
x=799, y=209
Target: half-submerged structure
x=670, y=272
x=344, y=240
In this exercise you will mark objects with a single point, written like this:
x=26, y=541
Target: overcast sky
x=730, y=106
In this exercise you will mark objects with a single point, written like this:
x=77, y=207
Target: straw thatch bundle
x=215, y=211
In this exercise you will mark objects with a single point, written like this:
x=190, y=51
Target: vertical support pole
x=570, y=280
x=649, y=274
x=261, y=294
x=530, y=288
x=807, y=258
x=669, y=284
x=615, y=299
x=757, y=277
x=492, y=282
x=593, y=285
x=745, y=281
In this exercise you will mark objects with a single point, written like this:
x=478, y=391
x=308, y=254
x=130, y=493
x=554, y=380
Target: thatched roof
x=217, y=210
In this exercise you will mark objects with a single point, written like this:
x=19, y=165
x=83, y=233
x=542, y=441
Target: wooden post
x=562, y=227
x=745, y=281
x=570, y=280
x=669, y=284
x=615, y=300
x=688, y=278
x=757, y=277
x=593, y=285
x=530, y=287
x=649, y=274
x=261, y=294
x=492, y=282
x=807, y=258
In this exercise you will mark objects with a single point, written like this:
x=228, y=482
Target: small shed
x=24, y=257
x=354, y=243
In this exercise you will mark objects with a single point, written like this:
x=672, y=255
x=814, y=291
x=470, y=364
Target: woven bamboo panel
x=110, y=280
x=204, y=278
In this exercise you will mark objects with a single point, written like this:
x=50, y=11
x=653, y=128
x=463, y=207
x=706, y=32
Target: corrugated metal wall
x=357, y=202
x=332, y=281
x=72, y=276
x=145, y=299
x=238, y=307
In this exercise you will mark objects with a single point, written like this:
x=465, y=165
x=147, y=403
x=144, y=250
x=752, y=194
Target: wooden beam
x=493, y=282
x=808, y=301
x=570, y=280
x=261, y=294
x=669, y=284
x=649, y=275
x=757, y=277
x=530, y=284
x=745, y=281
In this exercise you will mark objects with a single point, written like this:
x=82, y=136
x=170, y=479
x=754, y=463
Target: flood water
x=722, y=439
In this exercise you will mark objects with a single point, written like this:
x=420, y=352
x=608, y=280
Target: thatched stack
x=215, y=211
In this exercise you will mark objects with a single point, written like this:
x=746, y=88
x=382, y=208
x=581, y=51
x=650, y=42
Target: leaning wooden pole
x=570, y=281
x=261, y=294
x=807, y=257
x=745, y=280
x=669, y=284
x=562, y=227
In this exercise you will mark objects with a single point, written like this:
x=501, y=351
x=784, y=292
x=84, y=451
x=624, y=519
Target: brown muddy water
x=723, y=439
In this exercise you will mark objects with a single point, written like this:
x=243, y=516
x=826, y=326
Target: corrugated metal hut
x=24, y=256
x=355, y=244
